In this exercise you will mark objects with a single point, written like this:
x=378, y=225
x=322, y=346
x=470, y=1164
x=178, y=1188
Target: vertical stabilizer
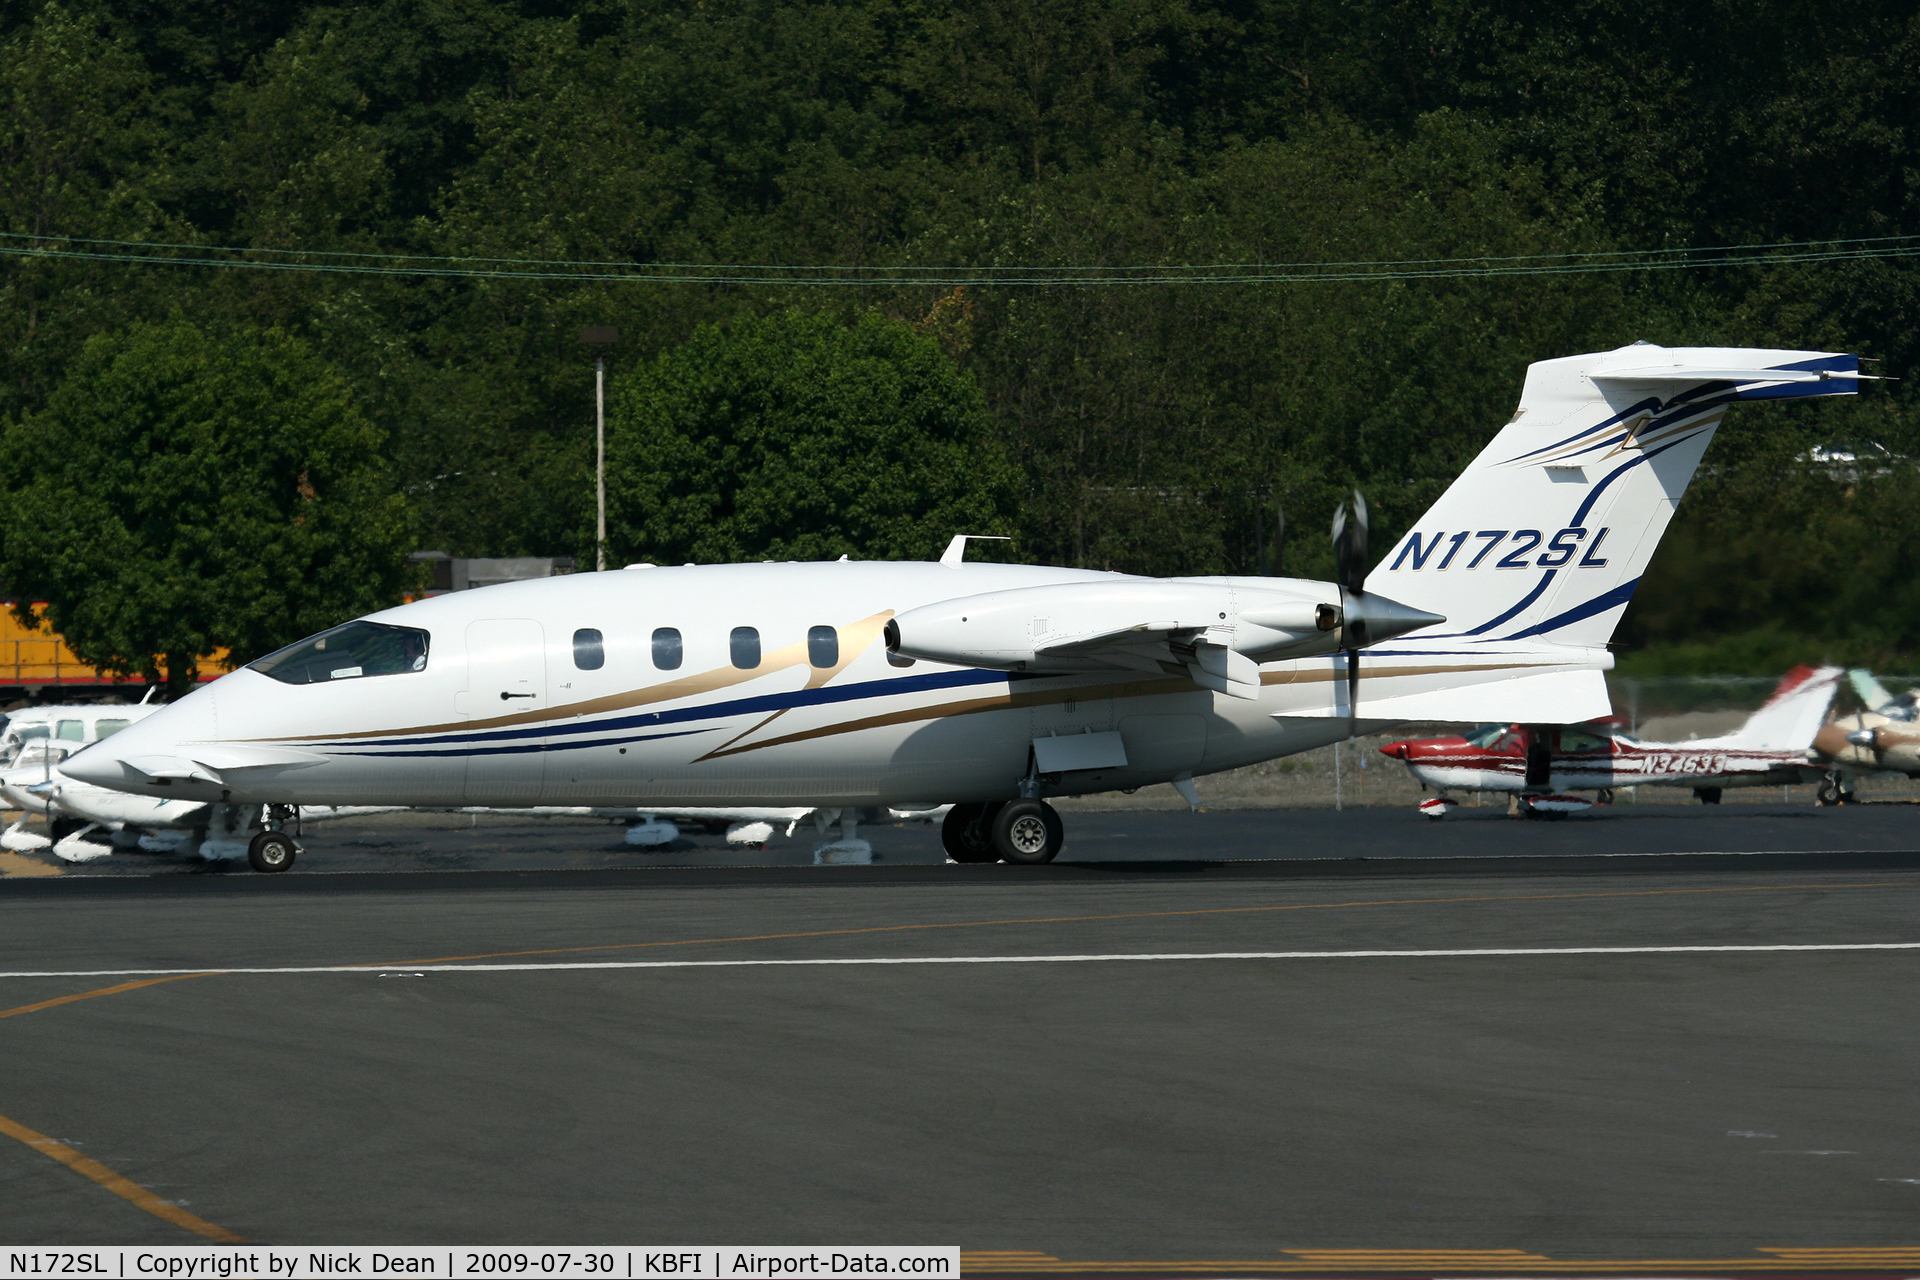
x=1792, y=715
x=1545, y=535
x=1872, y=694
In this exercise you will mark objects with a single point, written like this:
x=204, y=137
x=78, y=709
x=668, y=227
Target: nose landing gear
x=271, y=851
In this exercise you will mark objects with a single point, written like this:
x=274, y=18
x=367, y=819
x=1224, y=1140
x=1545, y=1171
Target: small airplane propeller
x=1350, y=559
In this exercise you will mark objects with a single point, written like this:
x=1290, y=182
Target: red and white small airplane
x=1545, y=762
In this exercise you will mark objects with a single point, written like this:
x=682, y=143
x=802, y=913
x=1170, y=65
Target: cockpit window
x=1485, y=735
x=348, y=651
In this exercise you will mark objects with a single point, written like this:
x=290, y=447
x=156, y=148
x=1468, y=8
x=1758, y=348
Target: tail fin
x=1872, y=694
x=1792, y=715
x=1547, y=532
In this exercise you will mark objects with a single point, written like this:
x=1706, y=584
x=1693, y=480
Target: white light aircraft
x=1541, y=764
x=988, y=686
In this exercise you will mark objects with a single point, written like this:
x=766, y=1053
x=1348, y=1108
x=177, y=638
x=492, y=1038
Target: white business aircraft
x=989, y=686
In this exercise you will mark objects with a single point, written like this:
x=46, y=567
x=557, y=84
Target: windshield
x=1485, y=735
x=347, y=652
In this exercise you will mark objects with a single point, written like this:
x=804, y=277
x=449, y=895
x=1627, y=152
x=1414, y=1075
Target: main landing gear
x=1021, y=831
x=1834, y=789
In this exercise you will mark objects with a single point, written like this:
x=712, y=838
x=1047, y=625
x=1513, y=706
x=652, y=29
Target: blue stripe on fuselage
x=680, y=715
x=524, y=748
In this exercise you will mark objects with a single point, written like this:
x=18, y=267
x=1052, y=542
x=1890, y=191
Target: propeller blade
x=1360, y=531
x=1279, y=535
x=1350, y=555
x=1350, y=544
x=1353, y=692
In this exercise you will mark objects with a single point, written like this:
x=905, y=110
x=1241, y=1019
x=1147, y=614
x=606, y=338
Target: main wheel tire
x=1028, y=832
x=1707, y=795
x=271, y=851
x=966, y=834
x=1829, y=793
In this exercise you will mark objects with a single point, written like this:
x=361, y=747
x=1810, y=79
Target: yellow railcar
x=36, y=656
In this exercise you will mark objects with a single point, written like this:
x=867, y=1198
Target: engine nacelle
x=1128, y=623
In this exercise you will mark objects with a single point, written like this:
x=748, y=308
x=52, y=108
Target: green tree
x=80, y=155
x=182, y=493
x=797, y=437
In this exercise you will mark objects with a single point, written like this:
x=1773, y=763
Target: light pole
x=600, y=336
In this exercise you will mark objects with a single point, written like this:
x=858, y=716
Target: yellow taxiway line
x=127, y=1189
x=132, y=1192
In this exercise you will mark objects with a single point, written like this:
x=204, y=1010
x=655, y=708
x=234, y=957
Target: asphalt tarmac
x=1122, y=1063
x=413, y=842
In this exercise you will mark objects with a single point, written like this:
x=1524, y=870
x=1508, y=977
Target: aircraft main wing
x=1204, y=654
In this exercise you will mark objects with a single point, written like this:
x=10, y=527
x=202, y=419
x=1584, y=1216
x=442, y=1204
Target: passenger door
x=506, y=677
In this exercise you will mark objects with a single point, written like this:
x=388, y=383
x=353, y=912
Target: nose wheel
x=272, y=851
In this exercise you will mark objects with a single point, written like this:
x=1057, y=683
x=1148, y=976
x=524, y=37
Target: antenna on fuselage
x=957, y=549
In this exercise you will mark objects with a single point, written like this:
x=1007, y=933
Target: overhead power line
x=131, y=252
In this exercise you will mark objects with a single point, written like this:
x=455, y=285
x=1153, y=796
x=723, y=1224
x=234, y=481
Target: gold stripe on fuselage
x=855, y=640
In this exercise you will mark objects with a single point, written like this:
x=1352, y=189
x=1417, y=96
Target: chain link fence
x=1656, y=709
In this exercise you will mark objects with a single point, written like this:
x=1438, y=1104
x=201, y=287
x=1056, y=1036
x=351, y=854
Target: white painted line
x=427, y=966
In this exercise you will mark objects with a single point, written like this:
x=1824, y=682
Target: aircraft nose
x=133, y=757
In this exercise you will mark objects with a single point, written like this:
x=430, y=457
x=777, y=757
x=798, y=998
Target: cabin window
x=589, y=649
x=107, y=728
x=71, y=731
x=1574, y=740
x=666, y=648
x=823, y=646
x=744, y=645
x=348, y=651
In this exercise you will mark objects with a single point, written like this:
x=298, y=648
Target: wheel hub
x=1028, y=834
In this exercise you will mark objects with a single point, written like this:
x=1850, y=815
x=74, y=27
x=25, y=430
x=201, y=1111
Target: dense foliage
x=1151, y=426
x=795, y=438
x=180, y=494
